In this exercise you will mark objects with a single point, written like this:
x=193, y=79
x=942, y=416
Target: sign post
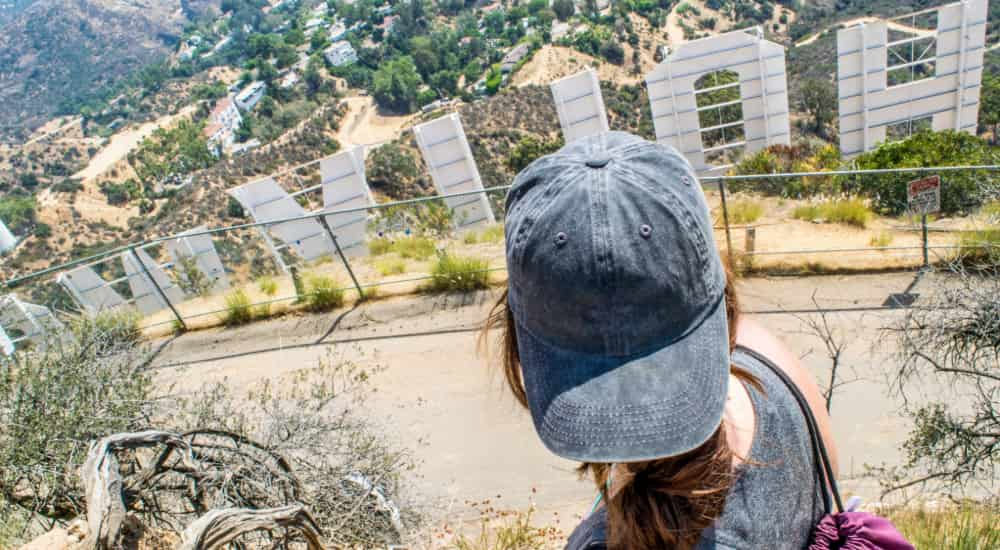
x=923, y=197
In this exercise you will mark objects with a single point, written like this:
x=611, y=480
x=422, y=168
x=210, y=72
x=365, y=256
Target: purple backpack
x=838, y=530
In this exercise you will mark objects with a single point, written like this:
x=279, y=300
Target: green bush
x=323, y=294
x=462, y=274
x=961, y=192
x=852, y=212
x=238, y=309
x=17, y=212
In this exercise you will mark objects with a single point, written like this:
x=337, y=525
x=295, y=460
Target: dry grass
x=458, y=274
x=981, y=247
x=238, y=309
x=323, y=293
x=414, y=248
x=881, y=239
x=391, y=266
x=853, y=212
x=745, y=211
x=509, y=530
x=971, y=526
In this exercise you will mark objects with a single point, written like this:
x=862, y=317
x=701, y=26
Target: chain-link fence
x=807, y=222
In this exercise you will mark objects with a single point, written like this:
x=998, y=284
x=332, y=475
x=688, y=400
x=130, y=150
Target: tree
x=818, y=99
x=445, y=82
x=494, y=23
x=950, y=339
x=564, y=9
x=392, y=169
x=395, y=84
x=613, y=52
x=528, y=149
x=313, y=77
x=989, y=108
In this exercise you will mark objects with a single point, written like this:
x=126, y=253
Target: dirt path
x=47, y=133
x=893, y=25
x=363, y=125
x=123, y=142
x=475, y=443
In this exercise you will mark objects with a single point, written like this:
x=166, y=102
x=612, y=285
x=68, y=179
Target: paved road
x=476, y=444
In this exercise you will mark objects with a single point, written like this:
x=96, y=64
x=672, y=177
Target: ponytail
x=667, y=503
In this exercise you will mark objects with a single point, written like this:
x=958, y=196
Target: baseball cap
x=617, y=294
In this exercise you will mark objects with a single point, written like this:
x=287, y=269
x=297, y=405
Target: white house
x=290, y=79
x=247, y=99
x=223, y=123
x=341, y=53
x=337, y=32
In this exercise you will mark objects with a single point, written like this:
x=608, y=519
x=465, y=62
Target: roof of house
x=517, y=53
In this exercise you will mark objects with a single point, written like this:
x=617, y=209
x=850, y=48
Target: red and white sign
x=924, y=195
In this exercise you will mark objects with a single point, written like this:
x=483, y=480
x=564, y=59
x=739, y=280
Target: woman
x=621, y=334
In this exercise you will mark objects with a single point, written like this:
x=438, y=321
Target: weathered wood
x=103, y=483
x=219, y=527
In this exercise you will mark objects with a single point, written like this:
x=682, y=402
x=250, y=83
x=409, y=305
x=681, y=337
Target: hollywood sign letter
x=869, y=66
x=718, y=95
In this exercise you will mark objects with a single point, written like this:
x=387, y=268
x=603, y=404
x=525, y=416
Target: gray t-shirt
x=777, y=498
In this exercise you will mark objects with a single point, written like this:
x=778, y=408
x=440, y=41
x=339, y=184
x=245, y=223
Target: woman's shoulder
x=591, y=533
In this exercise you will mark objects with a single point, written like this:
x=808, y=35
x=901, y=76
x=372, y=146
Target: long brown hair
x=663, y=503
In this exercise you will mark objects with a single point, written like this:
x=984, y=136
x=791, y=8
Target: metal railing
x=236, y=242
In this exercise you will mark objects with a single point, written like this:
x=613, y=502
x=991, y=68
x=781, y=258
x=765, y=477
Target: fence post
x=163, y=295
x=300, y=289
x=343, y=258
x=923, y=222
x=725, y=222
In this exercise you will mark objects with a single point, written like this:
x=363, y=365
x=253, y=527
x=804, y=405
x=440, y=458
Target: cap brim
x=605, y=409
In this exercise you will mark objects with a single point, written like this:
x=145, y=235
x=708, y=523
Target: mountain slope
x=56, y=51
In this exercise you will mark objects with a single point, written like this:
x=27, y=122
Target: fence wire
x=764, y=222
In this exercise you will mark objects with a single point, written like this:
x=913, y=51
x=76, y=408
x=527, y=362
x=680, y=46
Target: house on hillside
x=223, y=123
x=337, y=32
x=514, y=57
x=289, y=80
x=388, y=22
x=340, y=53
x=248, y=98
x=559, y=29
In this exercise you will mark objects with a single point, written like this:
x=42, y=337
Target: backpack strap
x=824, y=468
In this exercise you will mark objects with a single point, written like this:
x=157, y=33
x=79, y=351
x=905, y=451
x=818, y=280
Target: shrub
x=745, y=211
x=391, y=266
x=960, y=191
x=268, y=286
x=416, y=248
x=852, y=212
x=238, y=311
x=187, y=275
x=323, y=294
x=492, y=234
x=53, y=402
x=379, y=246
x=455, y=273
x=980, y=248
x=880, y=239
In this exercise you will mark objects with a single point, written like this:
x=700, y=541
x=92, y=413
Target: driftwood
x=103, y=482
x=217, y=528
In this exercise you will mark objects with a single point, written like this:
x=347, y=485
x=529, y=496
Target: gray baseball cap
x=617, y=292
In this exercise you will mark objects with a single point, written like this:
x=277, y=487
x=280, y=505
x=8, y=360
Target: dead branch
x=103, y=482
x=217, y=528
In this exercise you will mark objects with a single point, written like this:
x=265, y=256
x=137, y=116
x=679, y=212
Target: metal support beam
x=343, y=258
x=163, y=295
